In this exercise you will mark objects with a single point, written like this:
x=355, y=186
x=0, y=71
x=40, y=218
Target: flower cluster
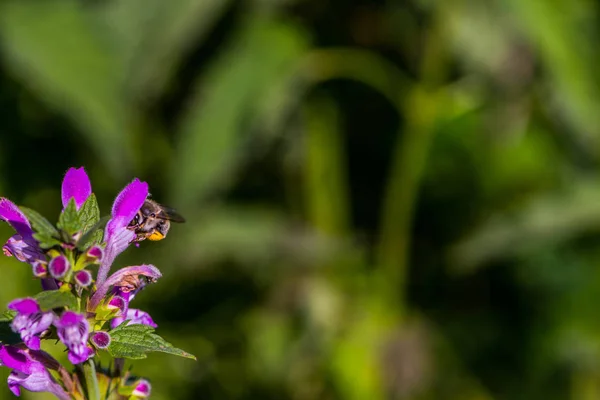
x=86, y=314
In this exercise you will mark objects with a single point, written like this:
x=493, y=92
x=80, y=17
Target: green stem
x=91, y=380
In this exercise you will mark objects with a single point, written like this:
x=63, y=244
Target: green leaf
x=134, y=341
x=7, y=336
x=69, y=219
x=155, y=35
x=39, y=224
x=45, y=241
x=89, y=213
x=213, y=128
x=7, y=315
x=93, y=235
x=51, y=299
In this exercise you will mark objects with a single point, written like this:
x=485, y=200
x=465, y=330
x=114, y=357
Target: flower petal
x=128, y=279
x=30, y=373
x=10, y=213
x=15, y=358
x=142, y=389
x=130, y=200
x=134, y=316
x=83, y=278
x=100, y=339
x=76, y=185
x=23, y=250
x=59, y=266
x=24, y=306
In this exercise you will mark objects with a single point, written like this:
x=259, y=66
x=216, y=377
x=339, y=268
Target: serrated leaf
x=39, y=224
x=69, y=218
x=7, y=336
x=45, y=241
x=51, y=299
x=135, y=341
x=93, y=235
x=7, y=315
x=89, y=213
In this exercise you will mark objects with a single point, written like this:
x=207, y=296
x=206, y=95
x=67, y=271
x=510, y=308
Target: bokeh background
x=385, y=199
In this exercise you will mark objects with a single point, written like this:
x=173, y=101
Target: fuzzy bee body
x=153, y=221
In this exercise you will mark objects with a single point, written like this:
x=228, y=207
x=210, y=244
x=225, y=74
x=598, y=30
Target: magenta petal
x=24, y=306
x=83, y=278
x=77, y=357
x=76, y=185
x=15, y=358
x=10, y=213
x=100, y=339
x=29, y=374
x=59, y=266
x=142, y=389
x=130, y=200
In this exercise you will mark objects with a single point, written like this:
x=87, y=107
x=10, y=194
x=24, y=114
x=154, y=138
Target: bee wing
x=169, y=214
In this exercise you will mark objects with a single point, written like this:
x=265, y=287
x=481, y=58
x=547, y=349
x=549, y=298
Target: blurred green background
x=385, y=199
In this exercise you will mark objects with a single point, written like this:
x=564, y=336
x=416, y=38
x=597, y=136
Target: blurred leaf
x=212, y=129
x=567, y=52
x=547, y=220
x=134, y=341
x=50, y=299
x=154, y=36
x=63, y=58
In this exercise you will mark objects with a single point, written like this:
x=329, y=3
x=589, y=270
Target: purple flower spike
x=83, y=278
x=116, y=234
x=101, y=339
x=29, y=371
x=39, y=270
x=135, y=317
x=74, y=330
x=142, y=389
x=59, y=266
x=76, y=185
x=30, y=321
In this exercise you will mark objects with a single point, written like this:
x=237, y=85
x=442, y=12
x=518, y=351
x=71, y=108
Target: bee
x=153, y=221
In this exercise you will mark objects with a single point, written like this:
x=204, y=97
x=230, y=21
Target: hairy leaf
x=135, y=341
x=51, y=299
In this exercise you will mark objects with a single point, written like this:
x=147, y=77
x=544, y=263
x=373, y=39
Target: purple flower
x=142, y=389
x=30, y=321
x=126, y=282
x=29, y=371
x=95, y=252
x=134, y=316
x=101, y=339
x=22, y=245
x=74, y=330
x=116, y=234
x=83, y=278
x=76, y=185
x=59, y=266
x=39, y=269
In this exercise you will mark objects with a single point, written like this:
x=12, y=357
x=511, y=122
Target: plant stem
x=91, y=381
